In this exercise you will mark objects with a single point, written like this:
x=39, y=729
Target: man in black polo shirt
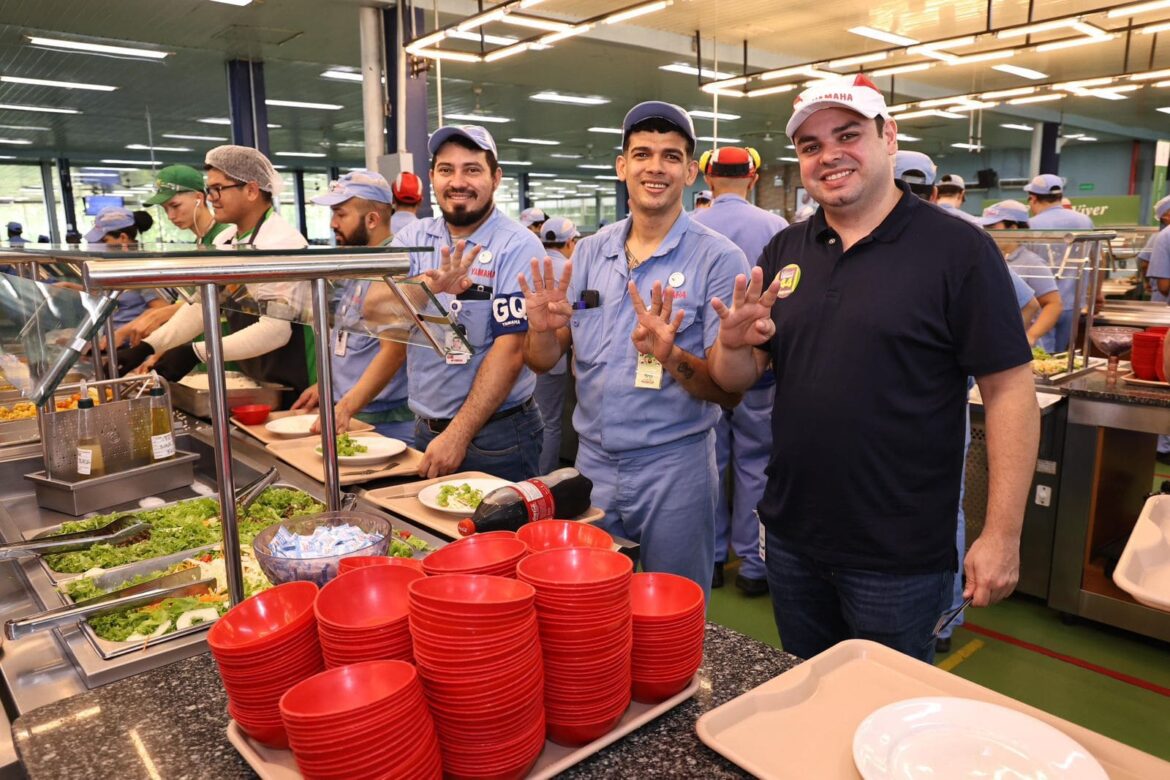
x=879, y=309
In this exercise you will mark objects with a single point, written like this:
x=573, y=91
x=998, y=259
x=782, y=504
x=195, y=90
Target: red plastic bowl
x=660, y=597
x=347, y=689
x=251, y=414
x=551, y=534
x=368, y=597
x=358, y=562
x=474, y=554
x=264, y=619
x=472, y=594
x=571, y=568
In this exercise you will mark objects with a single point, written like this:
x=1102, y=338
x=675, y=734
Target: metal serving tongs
x=122, y=530
x=246, y=495
x=178, y=584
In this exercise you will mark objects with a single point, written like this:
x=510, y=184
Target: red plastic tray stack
x=669, y=624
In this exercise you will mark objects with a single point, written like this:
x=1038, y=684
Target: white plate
x=429, y=496
x=380, y=449
x=944, y=736
x=291, y=427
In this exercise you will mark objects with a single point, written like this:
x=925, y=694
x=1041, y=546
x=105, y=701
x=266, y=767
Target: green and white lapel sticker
x=789, y=277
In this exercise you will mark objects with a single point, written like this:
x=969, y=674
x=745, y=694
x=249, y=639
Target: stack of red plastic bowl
x=264, y=646
x=362, y=615
x=358, y=561
x=368, y=720
x=583, y=606
x=1144, y=354
x=478, y=653
x=551, y=534
x=669, y=625
x=495, y=553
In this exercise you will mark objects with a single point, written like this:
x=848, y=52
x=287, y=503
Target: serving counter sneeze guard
x=211, y=271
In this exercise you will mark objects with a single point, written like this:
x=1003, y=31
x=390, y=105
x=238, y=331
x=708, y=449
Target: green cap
x=175, y=179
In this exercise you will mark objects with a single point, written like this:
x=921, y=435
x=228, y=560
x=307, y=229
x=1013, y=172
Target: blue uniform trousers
x=743, y=440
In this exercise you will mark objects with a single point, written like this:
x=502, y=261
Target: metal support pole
x=50, y=201
x=325, y=394
x=299, y=189
x=67, y=194
x=522, y=179
x=248, y=111
x=373, y=109
x=217, y=387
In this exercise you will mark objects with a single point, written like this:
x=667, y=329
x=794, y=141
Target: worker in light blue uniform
x=119, y=228
x=952, y=194
x=559, y=236
x=646, y=423
x=368, y=381
x=533, y=218
x=743, y=437
x=1026, y=265
x=1045, y=193
x=475, y=411
x=1157, y=256
x=407, y=189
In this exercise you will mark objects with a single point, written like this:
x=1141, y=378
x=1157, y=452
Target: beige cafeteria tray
x=275, y=764
x=403, y=501
x=302, y=454
x=268, y=437
x=1143, y=570
x=800, y=724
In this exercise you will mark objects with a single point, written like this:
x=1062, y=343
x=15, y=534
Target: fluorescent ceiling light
x=971, y=147
x=233, y=2
x=426, y=40
x=882, y=35
x=349, y=145
x=1083, y=83
x=800, y=70
x=1005, y=93
x=614, y=178
x=638, y=10
x=507, y=51
x=568, y=181
x=128, y=162
x=1092, y=30
x=8, y=157
x=700, y=114
x=1058, y=45
x=907, y=138
x=596, y=167
x=610, y=130
x=341, y=75
x=1036, y=99
x=949, y=43
x=183, y=137
x=1030, y=29
x=1016, y=70
x=967, y=59
x=104, y=168
x=691, y=70
x=1011, y=126
x=550, y=96
x=1153, y=74
x=96, y=48
x=537, y=141
x=299, y=154
x=557, y=37
x=61, y=84
x=303, y=104
x=16, y=142
x=972, y=105
x=1151, y=29
x=487, y=17
x=145, y=148
x=1137, y=8
x=1107, y=93
x=947, y=101
x=447, y=54
x=860, y=59
x=514, y=162
x=771, y=90
x=1162, y=84
x=26, y=128
x=1087, y=138
x=1165, y=109
x=223, y=120
x=902, y=69
x=542, y=175
x=536, y=23
x=928, y=112
x=496, y=120
x=717, y=139
x=495, y=40
x=725, y=83
x=563, y=156
x=45, y=109
x=788, y=159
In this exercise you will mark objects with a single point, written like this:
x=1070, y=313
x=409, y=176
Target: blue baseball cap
x=952, y=180
x=357, y=184
x=1161, y=207
x=474, y=133
x=914, y=168
x=656, y=109
x=1045, y=184
x=15, y=227
x=532, y=216
x=1004, y=211
x=558, y=230
x=109, y=219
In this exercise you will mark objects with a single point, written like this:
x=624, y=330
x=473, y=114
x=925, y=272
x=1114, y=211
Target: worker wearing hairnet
x=241, y=186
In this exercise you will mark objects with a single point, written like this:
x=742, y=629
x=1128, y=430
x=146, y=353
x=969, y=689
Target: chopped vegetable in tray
x=1046, y=364
x=464, y=495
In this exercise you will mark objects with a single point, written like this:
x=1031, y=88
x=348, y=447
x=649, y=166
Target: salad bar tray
x=98, y=493
x=1053, y=369
x=275, y=764
x=197, y=400
x=403, y=501
x=302, y=455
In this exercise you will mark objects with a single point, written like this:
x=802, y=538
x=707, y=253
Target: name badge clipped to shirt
x=648, y=375
x=342, y=340
x=457, y=354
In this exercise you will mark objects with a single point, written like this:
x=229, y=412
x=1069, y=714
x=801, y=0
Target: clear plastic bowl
x=321, y=569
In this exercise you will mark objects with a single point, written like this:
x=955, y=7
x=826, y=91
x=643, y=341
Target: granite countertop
x=1093, y=387
x=172, y=723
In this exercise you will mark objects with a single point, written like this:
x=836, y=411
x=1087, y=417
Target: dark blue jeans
x=816, y=605
x=507, y=448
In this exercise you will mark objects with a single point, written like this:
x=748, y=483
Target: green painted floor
x=1123, y=711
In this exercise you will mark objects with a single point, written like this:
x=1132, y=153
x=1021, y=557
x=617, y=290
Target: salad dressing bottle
x=162, y=436
x=90, y=462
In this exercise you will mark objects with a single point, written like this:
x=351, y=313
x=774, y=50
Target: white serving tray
x=1144, y=568
x=274, y=764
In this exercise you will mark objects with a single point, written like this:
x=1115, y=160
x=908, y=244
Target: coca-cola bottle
x=564, y=493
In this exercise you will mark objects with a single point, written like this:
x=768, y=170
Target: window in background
x=22, y=200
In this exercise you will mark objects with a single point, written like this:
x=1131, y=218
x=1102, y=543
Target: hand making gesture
x=451, y=275
x=748, y=322
x=546, y=301
x=654, y=333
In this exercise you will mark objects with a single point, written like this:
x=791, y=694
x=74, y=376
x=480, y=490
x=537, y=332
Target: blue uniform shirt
x=360, y=349
x=612, y=414
x=1059, y=218
x=1020, y=287
x=1159, y=260
x=1033, y=270
x=558, y=261
x=955, y=211
x=131, y=303
x=400, y=220
x=437, y=389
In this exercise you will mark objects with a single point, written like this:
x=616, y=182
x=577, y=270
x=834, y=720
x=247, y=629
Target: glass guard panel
x=38, y=324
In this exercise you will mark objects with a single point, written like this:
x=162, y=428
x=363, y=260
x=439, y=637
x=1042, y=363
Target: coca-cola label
x=538, y=499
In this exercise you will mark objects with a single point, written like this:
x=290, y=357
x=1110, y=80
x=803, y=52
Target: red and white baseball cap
x=857, y=94
x=407, y=188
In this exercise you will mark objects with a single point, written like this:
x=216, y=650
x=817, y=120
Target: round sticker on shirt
x=676, y=279
x=485, y=256
x=789, y=277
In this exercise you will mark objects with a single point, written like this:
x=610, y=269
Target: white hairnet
x=243, y=163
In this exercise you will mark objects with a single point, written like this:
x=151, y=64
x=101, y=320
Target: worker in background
x=1027, y=265
x=559, y=236
x=242, y=185
x=119, y=228
x=408, y=193
x=804, y=213
x=952, y=194
x=743, y=436
x=532, y=219
x=703, y=199
x=1045, y=193
x=634, y=305
x=15, y=237
x=1157, y=255
x=367, y=381
x=918, y=171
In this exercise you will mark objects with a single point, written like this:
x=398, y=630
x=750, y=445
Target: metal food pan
x=1092, y=364
x=92, y=495
x=198, y=402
